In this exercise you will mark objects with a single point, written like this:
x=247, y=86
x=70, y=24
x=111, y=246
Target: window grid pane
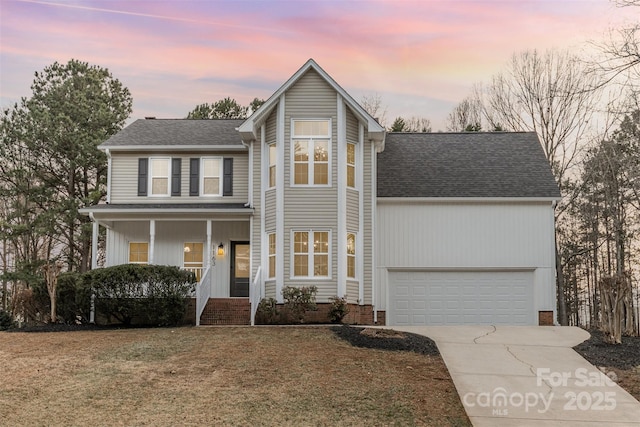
x=272, y=255
x=272, y=165
x=351, y=165
x=138, y=253
x=351, y=255
x=211, y=177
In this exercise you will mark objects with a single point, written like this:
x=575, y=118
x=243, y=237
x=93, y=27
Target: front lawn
x=212, y=376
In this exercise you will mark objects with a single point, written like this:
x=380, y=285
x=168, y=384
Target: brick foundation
x=545, y=318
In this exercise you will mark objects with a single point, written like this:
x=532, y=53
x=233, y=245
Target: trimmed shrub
x=297, y=301
x=150, y=294
x=338, y=309
x=267, y=312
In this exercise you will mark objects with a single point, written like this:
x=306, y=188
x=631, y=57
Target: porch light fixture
x=220, y=249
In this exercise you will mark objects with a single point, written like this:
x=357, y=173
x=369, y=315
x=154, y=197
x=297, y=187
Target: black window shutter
x=227, y=183
x=143, y=174
x=194, y=177
x=176, y=175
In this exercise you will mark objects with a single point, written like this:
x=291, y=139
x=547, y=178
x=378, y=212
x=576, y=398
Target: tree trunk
x=561, y=298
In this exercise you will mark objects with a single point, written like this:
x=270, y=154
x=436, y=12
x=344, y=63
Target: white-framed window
x=272, y=165
x=193, y=258
x=272, y=256
x=351, y=255
x=351, y=165
x=211, y=176
x=311, y=144
x=311, y=254
x=138, y=253
x=160, y=173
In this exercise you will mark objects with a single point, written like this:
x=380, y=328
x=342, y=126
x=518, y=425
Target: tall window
x=311, y=141
x=272, y=165
x=272, y=255
x=351, y=165
x=311, y=253
x=159, y=170
x=351, y=255
x=193, y=258
x=211, y=182
x=138, y=252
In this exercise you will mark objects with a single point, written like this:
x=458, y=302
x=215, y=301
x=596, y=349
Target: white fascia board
x=154, y=211
x=470, y=200
x=175, y=148
x=248, y=128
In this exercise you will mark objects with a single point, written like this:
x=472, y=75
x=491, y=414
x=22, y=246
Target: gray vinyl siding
x=311, y=208
x=270, y=209
x=352, y=127
x=352, y=291
x=353, y=214
x=256, y=232
x=368, y=189
x=124, y=178
x=270, y=289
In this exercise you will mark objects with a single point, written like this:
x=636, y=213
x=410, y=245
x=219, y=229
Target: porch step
x=226, y=311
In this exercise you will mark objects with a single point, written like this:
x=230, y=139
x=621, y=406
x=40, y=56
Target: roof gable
x=461, y=165
x=248, y=129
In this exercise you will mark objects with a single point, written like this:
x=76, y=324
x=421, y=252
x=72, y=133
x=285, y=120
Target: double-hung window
x=272, y=256
x=311, y=254
x=311, y=152
x=351, y=165
x=351, y=255
x=159, y=171
x=211, y=180
x=138, y=252
x=272, y=165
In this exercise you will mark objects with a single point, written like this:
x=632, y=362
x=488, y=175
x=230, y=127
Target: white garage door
x=460, y=298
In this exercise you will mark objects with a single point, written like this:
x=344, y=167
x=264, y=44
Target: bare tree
x=550, y=94
x=373, y=105
x=468, y=113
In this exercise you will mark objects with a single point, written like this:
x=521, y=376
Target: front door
x=240, y=271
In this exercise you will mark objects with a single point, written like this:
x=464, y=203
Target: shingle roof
x=177, y=132
x=470, y=164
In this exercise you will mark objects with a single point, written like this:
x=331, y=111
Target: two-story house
x=433, y=228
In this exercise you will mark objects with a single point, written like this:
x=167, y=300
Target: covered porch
x=212, y=242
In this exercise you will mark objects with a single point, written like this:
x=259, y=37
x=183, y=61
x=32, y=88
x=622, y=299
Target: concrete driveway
x=529, y=376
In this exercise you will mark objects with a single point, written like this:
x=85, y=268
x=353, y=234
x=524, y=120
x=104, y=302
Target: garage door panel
x=470, y=297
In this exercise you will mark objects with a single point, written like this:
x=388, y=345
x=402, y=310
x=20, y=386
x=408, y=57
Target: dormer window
x=311, y=142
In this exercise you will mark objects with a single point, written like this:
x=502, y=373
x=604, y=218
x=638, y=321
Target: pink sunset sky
x=420, y=57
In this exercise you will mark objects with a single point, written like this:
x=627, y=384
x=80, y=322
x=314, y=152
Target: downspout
x=108, y=175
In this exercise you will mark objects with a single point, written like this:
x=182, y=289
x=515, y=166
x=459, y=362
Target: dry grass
x=213, y=376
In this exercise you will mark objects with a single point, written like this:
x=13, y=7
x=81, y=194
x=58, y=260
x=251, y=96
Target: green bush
x=73, y=295
x=338, y=309
x=299, y=300
x=6, y=321
x=267, y=312
x=150, y=294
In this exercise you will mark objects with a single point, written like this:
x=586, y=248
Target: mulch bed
x=386, y=339
x=600, y=353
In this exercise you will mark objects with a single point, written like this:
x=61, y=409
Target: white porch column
x=94, y=265
x=152, y=239
x=209, y=255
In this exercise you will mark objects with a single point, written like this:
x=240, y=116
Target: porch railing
x=195, y=270
x=203, y=293
x=255, y=294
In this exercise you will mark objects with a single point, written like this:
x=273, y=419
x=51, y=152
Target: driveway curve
x=528, y=376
